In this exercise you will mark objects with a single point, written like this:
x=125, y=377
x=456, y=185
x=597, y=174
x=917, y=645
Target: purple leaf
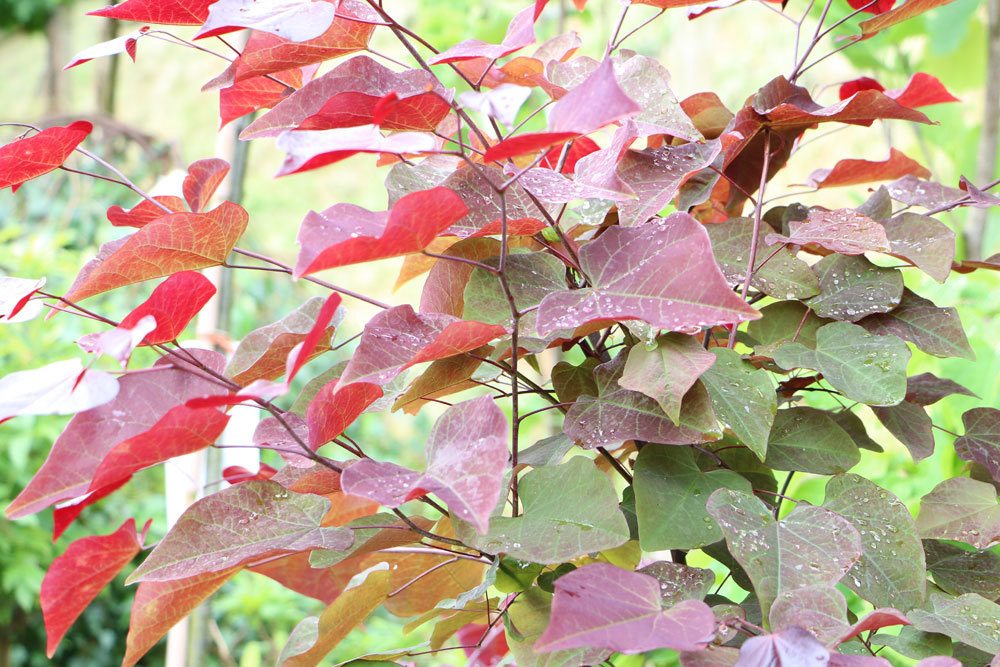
x=923, y=242
x=934, y=330
x=961, y=509
x=981, y=442
x=466, y=462
x=822, y=610
x=663, y=273
x=119, y=342
x=306, y=150
x=915, y=192
x=793, y=647
x=927, y=389
x=843, y=231
x=911, y=425
x=520, y=33
x=602, y=606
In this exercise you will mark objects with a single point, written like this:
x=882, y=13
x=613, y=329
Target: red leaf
x=335, y=408
x=124, y=44
x=15, y=294
x=173, y=243
x=64, y=515
x=181, y=431
x=880, y=6
x=296, y=574
x=348, y=95
x=882, y=617
x=238, y=474
x=397, y=338
x=77, y=576
x=142, y=399
x=173, y=303
x=312, y=150
x=467, y=459
x=596, y=102
x=166, y=12
x=25, y=159
x=203, y=179
x=520, y=33
x=922, y=90
x=60, y=388
x=492, y=648
x=582, y=147
x=266, y=53
x=259, y=92
x=347, y=234
x=159, y=605
x=302, y=352
x=848, y=88
x=295, y=21
x=856, y=172
x=144, y=212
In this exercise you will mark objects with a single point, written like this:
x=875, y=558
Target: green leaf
x=809, y=440
x=934, y=330
x=855, y=428
x=784, y=276
x=371, y=533
x=571, y=381
x=915, y=644
x=891, y=571
x=851, y=287
x=959, y=571
x=546, y=452
x=666, y=372
x=670, y=497
x=743, y=398
x=864, y=367
x=812, y=546
x=238, y=524
x=911, y=425
x=780, y=321
x=961, y=509
x=568, y=510
x=970, y=619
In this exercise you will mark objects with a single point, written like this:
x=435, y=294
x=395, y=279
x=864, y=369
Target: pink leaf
x=35, y=156
x=520, y=33
x=663, y=273
x=347, y=234
x=398, y=338
x=335, y=408
x=123, y=44
x=174, y=303
x=843, y=231
x=60, y=388
x=77, y=576
x=793, y=646
x=15, y=295
x=311, y=150
x=294, y=20
x=466, y=461
x=203, y=179
x=181, y=431
x=602, y=606
x=120, y=341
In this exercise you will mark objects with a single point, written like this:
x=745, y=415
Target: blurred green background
x=152, y=121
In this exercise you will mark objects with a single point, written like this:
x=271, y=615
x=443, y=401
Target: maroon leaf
x=238, y=525
x=466, y=461
x=173, y=303
x=980, y=199
x=602, y=606
x=64, y=515
x=347, y=234
x=961, y=509
x=167, y=12
x=311, y=150
x=911, y=425
x=60, y=388
x=180, y=431
x=335, y=408
x=293, y=20
x=922, y=241
x=142, y=400
x=934, y=330
x=476, y=188
x=883, y=617
x=848, y=88
x=663, y=273
x=77, y=576
x=398, y=338
x=520, y=33
x=981, y=442
x=596, y=102
x=203, y=179
x=856, y=172
x=35, y=156
x=347, y=96
x=843, y=231
x=927, y=389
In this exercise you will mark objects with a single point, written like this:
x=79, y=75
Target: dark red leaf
x=77, y=576
x=581, y=147
x=848, y=88
x=872, y=6
x=347, y=234
x=35, y=156
x=64, y=515
x=174, y=303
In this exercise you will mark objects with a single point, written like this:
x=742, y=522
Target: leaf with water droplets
x=783, y=321
x=670, y=496
x=809, y=440
x=655, y=176
x=783, y=276
x=662, y=273
x=809, y=547
x=843, y=231
x=923, y=242
x=602, y=606
x=241, y=523
x=970, y=619
x=911, y=425
x=666, y=372
x=822, y=610
x=616, y=414
x=981, y=442
x=743, y=398
x=853, y=287
x=913, y=191
x=864, y=367
x=891, y=569
x=568, y=510
x=961, y=509
x=680, y=582
x=934, y=330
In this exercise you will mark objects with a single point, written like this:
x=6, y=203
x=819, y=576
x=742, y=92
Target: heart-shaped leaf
x=961, y=509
